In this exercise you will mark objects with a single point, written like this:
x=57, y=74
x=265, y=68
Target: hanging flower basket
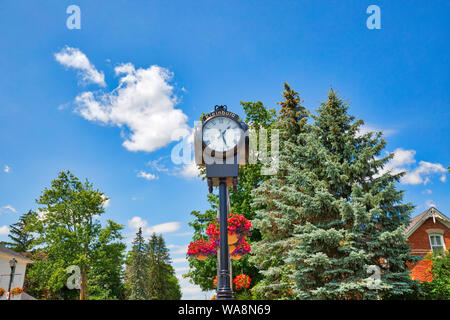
x=201, y=249
x=242, y=281
x=213, y=230
x=238, y=227
x=2, y=292
x=16, y=291
x=241, y=250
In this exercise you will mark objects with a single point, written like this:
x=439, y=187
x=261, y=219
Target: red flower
x=213, y=231
x=242, y=281
x=201, y=246
x=16, y=291
x=237, y=223
x=242, y=248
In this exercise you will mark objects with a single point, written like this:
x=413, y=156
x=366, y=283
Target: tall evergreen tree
x=343, y=214
x=274, y=217
x=137, y=269
x=163, y=285
x=22, y=239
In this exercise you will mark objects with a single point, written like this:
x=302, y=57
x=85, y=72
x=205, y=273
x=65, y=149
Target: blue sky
x=62, y=106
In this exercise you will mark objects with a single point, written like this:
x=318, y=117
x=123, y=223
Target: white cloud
x=430, y=203
x=176, y=249
x=404, y=160
x=9, y=208
x=6, y=169
x=189, y=170
x=427, y=191
x=403, y=157
x=366, y=128
x=157, y=165
x=4, y=230
x=136, y=223
x=421, y=174
x=64, y=105
x=143, y=103
x=106, y=203
x=179, y=260
x=184, y=234
x=163, y=228
x=147, y=175
x=74, y=58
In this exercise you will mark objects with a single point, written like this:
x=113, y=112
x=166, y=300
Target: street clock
x=221, y=145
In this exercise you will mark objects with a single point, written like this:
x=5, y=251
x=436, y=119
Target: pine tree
x=138, y=268
x=275, y=218
x=163, y=285
x=339, y=212
x=22, y=239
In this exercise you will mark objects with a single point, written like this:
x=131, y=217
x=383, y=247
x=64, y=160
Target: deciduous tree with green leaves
x=439, y=288
x=69, y=233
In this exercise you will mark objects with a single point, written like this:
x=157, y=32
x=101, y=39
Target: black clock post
x=224, y=290
x=222, y=158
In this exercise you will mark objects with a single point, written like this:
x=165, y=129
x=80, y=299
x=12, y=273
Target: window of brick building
x=437, y=243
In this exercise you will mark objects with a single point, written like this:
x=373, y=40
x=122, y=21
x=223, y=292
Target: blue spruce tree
x=336, y=220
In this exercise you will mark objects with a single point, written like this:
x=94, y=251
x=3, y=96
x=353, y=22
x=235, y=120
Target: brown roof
x=415, y=220
x=419, y=217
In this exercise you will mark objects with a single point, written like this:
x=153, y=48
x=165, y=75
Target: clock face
x=221, y=134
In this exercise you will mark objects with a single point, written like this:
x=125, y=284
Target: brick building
x=428, y=232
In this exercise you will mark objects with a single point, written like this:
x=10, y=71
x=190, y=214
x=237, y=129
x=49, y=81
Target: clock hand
x=223, y=139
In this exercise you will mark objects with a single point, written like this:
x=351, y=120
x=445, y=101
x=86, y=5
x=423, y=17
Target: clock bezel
x=232, y=117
